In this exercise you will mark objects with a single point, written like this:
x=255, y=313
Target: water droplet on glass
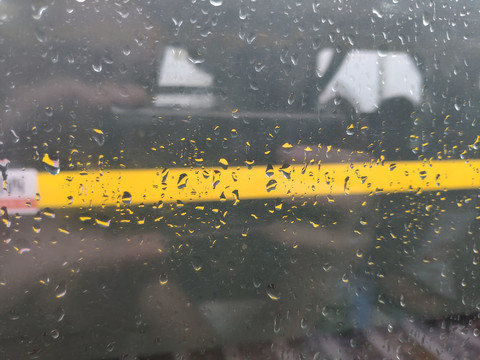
x=224, y=163
x=291, y=99
x=259, y=67
x=271, y=185
x=40, y=12
x=103, y=221
x=126, y=50
x=243, y=12
x=97, y=67
x=269, y=171
x=350, y=130
x=14, y=136
x=54, y=334
x=182, y=181
x=60, y=314
x=458, y=103
x=99, y=137
x=51, y=165
x=163, y=279
x=48, y=213
x=216, y=2
x=197, y=263
x=110, y=346
x=390, y=328
x=251, y=37
x=272, y=292
x=61, y=290
x=126, y=198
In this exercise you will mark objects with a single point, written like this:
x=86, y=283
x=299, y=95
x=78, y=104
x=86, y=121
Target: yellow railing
x=147, y=186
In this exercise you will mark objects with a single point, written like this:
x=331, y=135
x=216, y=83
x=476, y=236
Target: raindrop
x=163, y=279
x=458, y=103
x=51, y=165
x=97, y=67
x=197, y=263
x=216, y=2
x=346, y=190
x=182, y=181
x=54, y=334
x=196, y=58
x=259, y=67
x=377, y=13
x=294, y=58
x=15, y=137
x=291, y=99
x=272, y=292
x=256, y=282
x=103, y=221
x=243, y=12
x=350, y=130
x=99, y=137
x=60, y=314
x=110, y=346
x=271, y=185
x=286, y=171
x=40, y=12
x=126, y=50
x=251, y=37
x=36, y=228
x=48, y=213
x=269, y=171
x=61, y=290
x=224, y=163
x=44, y=279
x=126, y=198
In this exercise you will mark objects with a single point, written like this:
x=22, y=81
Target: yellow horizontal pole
x=148, y=186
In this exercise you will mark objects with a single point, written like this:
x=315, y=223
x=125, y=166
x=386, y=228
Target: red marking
x=17, y=203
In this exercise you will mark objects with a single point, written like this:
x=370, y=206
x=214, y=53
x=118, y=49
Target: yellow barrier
x=111, y=187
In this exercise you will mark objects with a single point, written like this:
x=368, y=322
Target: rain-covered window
x=239, y=179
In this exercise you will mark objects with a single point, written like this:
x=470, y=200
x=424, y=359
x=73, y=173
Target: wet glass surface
x=246, y=179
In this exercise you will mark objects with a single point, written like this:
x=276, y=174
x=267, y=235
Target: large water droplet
x=271, y=185
x=51, y=165
x=224, y=163
x=126, y=198
x=61, y=290
x=163, y=279
x=182, y=181
x=197, y=263
x=14, y=136
x=103, y=221
x=97, y=67
x=54, y=334
x=216, y=2
x=272, y=292
x=99, y=137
